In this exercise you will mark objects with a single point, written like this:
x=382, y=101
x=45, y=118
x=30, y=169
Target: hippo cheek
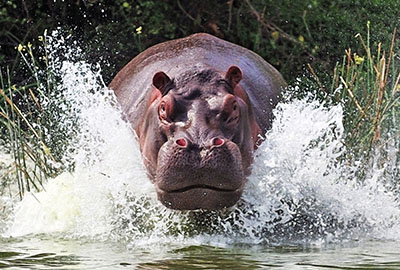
x=189, y=179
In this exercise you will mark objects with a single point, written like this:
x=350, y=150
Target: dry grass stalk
x=353, y=97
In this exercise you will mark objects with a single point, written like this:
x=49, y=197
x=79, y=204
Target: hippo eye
x=230, y=114
x=163, y=112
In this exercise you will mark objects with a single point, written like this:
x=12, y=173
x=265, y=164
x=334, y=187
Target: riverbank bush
x=289, y=34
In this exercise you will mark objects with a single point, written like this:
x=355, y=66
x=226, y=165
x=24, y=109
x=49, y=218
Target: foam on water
x=298, y=190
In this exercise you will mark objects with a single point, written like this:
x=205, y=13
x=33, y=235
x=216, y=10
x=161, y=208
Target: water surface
x=43, y=252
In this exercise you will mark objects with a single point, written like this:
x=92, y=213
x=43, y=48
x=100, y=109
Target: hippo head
x=197, y=138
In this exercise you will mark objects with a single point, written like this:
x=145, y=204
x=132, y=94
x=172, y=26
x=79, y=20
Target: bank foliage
x=289, y=34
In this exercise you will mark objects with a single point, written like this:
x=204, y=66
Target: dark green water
x=42, y=252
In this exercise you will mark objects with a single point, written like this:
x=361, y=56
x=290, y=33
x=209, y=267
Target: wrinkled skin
x=199, y=106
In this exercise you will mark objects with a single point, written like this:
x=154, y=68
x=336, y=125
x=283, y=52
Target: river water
x=301, y=209
x=44, y=252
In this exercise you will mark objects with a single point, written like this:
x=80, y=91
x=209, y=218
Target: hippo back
x=261, y=81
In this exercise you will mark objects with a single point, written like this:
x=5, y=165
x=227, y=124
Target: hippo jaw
x=197, y=197
x=188, y=179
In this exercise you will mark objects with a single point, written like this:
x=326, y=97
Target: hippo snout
x=190, y=176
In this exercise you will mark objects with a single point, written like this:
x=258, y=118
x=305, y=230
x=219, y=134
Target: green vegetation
x=370, y=93
x=305, y=39
x=30, y=128
x=289, y=34
x=368, y=87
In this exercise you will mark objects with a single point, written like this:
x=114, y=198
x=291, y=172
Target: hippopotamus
x=200, y=106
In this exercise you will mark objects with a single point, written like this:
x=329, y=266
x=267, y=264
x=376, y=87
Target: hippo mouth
x=199, y=197
x=201, y=187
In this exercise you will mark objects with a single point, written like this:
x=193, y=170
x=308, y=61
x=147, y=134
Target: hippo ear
x=160, y=81
x=233, y=76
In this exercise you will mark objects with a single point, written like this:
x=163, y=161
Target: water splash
x=298, y=191
x=320, y=197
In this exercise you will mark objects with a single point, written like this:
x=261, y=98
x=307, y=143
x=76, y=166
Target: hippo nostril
x=181, y=142
x=217, y=142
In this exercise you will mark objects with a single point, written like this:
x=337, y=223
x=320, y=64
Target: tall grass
x=24, y=125
x=367, y=84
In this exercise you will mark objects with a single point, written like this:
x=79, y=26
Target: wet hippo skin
x=200, y=106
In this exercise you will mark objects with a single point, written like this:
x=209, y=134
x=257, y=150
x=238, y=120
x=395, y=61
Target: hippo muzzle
x=191, y=177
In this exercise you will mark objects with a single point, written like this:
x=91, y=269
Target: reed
x=367, y=85
x=24, y=126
